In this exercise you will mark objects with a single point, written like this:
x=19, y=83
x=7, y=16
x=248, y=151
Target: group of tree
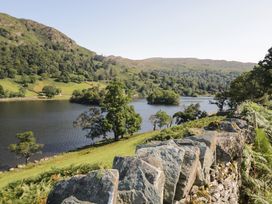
x=114, y=115
x=50, y=91
x=164, y=97
x=192, y=112
x=255, y=85
x=91, y=96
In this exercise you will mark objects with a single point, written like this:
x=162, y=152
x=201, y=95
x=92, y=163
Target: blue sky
x=215, y=29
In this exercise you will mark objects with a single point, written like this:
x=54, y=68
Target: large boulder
x=139, y=181
x=229, y=146
x=167, y=156
x=98, y=187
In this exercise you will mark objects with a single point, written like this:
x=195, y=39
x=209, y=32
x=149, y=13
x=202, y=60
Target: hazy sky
x=216, y=29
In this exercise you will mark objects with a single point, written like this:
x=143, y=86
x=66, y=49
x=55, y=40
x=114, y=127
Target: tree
x=255, y=85
x=50, y=91
x=94, y=122
x=133, y=121
x=192, y=112
x=118, y=111
x=160, y=119
x=114, y=116
x=165, y=97
x=26, y=146
x=91, y=96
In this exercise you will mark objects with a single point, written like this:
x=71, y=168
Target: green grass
x=33, y=89
x=103, y=155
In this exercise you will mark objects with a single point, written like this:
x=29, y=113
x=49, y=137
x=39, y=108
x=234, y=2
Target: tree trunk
x=154, y=127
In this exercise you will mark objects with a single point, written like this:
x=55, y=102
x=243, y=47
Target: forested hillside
x=31, y=51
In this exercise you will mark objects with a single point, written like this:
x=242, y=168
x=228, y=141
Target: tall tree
x=27, y=145
x=116, y=115
x=160, y=119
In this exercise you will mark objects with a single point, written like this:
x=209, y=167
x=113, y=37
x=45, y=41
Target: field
x=33, y=89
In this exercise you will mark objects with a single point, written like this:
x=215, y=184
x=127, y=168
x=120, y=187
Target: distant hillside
x=30, y=51
x=183, y=64
x=30, y=48
x=27, y=32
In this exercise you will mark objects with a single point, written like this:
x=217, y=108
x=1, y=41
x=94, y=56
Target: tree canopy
x=165, y=97
x=160, y=119
x=27, y=145
x=50, y=91
x=255, y=85
x=114, y=116
x=92, y=96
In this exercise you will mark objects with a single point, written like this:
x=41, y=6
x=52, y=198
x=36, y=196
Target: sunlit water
x=52, y=123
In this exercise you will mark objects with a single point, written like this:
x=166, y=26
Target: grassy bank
x=102, y=155
x=33, y=89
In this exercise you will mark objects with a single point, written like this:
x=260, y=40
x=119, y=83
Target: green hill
x=183, y=64
x=32, y=52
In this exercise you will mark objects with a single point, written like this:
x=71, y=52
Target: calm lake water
x=52, y=123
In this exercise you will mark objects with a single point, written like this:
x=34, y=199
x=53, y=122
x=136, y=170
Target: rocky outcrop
x=169, y=158
x=139, y=181
x=197, y=169
x=98, y=187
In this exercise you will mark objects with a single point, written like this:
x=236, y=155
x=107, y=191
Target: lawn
x=33, y=89
x=103, y=155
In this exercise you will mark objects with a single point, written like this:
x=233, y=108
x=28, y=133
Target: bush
x=50, y=91
x=91, y=96
x=164, y=97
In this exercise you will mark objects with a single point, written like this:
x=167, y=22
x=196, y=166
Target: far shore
x=34, y=98
x=57, y=98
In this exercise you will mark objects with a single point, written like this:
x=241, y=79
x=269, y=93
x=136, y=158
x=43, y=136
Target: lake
x=52, y=123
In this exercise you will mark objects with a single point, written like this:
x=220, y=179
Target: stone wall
x=197, y=169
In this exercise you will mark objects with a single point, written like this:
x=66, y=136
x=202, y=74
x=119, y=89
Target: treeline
x=71, y=65
x=255, y=85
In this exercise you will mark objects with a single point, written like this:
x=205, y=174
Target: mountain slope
x=182, y=64
x=31, y=51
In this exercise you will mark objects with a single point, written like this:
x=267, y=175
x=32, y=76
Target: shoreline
x=61, y=98
x=34, y=98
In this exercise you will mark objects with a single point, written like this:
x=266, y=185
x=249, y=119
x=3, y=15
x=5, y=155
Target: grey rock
x=189, y=171
x=229, y=126
x=139, y=181
x=229, y=146
x=167, y=156
x=98, y=187
x=206, y=157
x=73, y=200
x=242, y=124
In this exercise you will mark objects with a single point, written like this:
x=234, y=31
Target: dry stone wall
x=197, y=169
